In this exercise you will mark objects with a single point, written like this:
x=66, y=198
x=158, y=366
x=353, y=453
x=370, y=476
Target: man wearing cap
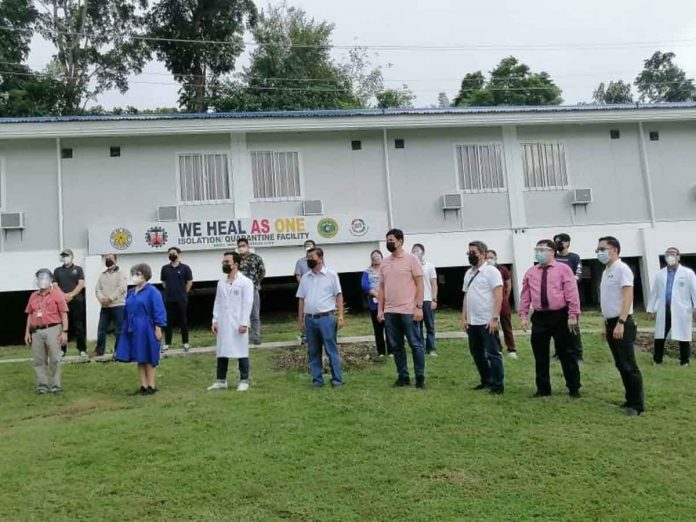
x=70, y=278
x=111, y=289
x=46, y=331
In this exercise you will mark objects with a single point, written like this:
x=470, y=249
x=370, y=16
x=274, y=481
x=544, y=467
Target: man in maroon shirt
x=46, y=331
x=505, y=310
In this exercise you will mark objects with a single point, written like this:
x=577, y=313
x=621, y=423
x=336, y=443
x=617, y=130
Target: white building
x=508, y=176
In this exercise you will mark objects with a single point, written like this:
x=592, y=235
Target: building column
x=93, y=267
x=242, y=181
x=522, y=248
x=650, y=262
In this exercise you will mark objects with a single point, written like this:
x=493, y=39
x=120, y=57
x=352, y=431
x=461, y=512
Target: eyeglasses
x=542, y=250
x=601, y=249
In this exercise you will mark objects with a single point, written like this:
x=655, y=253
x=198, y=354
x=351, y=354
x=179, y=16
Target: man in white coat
x=233, y=303
x=672, y=302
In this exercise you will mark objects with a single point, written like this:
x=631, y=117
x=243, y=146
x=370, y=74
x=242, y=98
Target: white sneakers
x=512, y=355
x=83, y=355
x=187, y=347
x=218, y=385
x=165, y=348
x=243, y=386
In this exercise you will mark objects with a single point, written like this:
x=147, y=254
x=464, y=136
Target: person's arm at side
x=497, y=304
x=162, y=281
x=525, y=302
x=63, y=309
x=578, y=270
x=122, y=289
x=365, y=283
x=652, y=302
x=300, y=314
x=627, y=302
x=160, y=318
x=189, y=280
x=217, y=307
x=27, y=331
x=418, y=312
x=434, y=288
x=99, y=292
x=571, y=297
x=380, y=298
x=262, y=269
x=247, y=306
x=340, y=321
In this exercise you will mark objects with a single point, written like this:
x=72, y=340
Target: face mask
x=492, y=262
x=540, y=257
x=173, y=257
x=559, y=246
x=473, y=259
x=391, y=247
x=109, y=263
x=243, y=249
x=226, y=269
x=603, y=257
x=419, y=254
x=66, y=260
x=671, y=260
x=136, y=279
x=43, y=282
x=312, y=263
x=376, y=260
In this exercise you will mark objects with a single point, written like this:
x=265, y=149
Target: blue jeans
x=106, y=316
x=398, y=327
x=321, y=331
x=485, y=349
x=429, y=323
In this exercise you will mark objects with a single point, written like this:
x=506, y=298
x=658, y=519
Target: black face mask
x=391, y=247
x=473, y=259
x=227, y=269
x=312, y=263
x=173, y=257
x=559, y=247
x=109, y=263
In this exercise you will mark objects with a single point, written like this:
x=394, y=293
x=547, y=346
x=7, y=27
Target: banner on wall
x=219, y=234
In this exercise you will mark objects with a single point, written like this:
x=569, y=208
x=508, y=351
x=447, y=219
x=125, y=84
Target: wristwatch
x=419, y=306
x=621, y=321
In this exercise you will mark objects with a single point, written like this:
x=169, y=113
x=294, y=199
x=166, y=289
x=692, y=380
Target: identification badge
x=39, y=314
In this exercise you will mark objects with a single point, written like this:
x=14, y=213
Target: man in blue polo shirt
x=177, y=280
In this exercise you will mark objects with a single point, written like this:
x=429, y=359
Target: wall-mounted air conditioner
x=581, y=196
x=313, y=207
x=452, y=201
x=167, y=213
x=12, y=220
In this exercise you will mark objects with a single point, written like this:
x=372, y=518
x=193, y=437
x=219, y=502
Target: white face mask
x=419, y=254
x=43, y=282
x=671, y=260
x=136, y=279
x=492, y=262
x=66, y=260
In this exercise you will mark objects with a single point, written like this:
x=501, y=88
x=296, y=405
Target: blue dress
x=143, y=311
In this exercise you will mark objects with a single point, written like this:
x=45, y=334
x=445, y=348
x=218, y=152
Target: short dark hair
x=562, y=237
x=310, y=241
x=480, y=245
x=418, y=245
x=675, y=249
x=243, y=240
x=176, y=249
x=318, y=251
x=143, y=269
x=377, y=251
x=45, y=271
x=547, y=243
x=397, y=233
x=112, y=255
x=236, y=258
x=611, y=241
x=491, y=251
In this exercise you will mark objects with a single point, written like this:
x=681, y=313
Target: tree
x=443, y=101
x=198, y=66
x=615, y=93
x=396, y=98
x=661, y=80
x=97, y=46
x=510, y=83
x=290, y=69
x=366, y=81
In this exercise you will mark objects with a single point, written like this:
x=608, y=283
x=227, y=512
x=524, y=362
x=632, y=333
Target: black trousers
x=659, y=347
x=76, y=324
x=223, y=364
x=625, y=359
x=554, y=325
x=381, y=341
x=176, y=313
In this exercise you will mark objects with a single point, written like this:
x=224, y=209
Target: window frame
x=3, y=184
x=551, y=188
x=300, y=175
x=228, y=161
x=463, y=190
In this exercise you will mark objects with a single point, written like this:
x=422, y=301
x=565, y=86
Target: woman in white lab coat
x=233, y=302
x=673, y=310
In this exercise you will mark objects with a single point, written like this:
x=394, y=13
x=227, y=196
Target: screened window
x=204, y=178
x=481, y=168
x=276, y=175
x=545, y=166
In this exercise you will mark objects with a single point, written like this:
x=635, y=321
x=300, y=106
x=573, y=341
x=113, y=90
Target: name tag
x=38, y=314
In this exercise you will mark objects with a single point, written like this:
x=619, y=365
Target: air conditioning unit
x=582, y=196
x=12, y=220
x=167, y=213
x=313, y=207
x=452, y=201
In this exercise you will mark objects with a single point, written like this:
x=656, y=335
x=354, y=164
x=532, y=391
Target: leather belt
x=322, y=314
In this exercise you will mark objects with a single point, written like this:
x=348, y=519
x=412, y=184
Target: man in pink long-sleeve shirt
x=550, y=290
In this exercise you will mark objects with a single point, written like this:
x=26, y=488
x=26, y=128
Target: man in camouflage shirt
x=253, y=268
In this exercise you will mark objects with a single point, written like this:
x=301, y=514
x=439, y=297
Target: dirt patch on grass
x=353, y=357
x=455, y=477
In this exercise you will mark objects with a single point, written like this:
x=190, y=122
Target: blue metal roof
x=348, y=113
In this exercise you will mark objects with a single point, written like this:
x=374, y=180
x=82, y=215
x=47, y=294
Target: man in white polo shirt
x=616, y=300
x=320, y=316
x=483, y=297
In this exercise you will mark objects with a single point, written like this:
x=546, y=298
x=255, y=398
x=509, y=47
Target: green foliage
x=661, y=80
x=510, y=83
x=397, y=98
x=615, y=93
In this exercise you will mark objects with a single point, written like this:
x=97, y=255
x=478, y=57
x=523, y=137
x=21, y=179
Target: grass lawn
x=285, y=451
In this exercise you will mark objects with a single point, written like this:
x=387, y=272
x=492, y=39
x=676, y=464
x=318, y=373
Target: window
x=654, y=136
x=615, y=134
x=545, y=166
x=276, y=175
x=399, y=143
x=115, y=152
x=356, y=145
x=480, y=168
x=204, y=178
x=66, y=153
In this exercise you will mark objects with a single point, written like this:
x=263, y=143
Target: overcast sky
x=578, y=42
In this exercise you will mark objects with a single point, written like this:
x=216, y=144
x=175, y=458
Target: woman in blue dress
x=143, y=320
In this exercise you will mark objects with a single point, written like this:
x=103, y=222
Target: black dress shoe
x=497, y=391
x=400, y=383
x=574, y=394
x=150, y=390
x=541, y=394
x=481, y=387
x=141, y=391
x=420, y=383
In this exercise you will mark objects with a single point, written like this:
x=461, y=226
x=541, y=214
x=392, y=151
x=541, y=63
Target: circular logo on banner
x=121, y=238
x=327, y=228
x=358, y=227
x=156, y=237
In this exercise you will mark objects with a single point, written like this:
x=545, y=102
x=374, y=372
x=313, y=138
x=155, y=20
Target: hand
x=214, y=328
x=619, y=331
x=418, y=315
x=27, y=339
x=63, y=338
x=158, y=333
x=340, y=323
x=243, y=329
x=433, y=305
x=651, y=315
x=465, y=325
x=524, y=324
x=573, y=324
x=380, y=317
x=493, y=326
x=374, y=293
x=68, y=298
